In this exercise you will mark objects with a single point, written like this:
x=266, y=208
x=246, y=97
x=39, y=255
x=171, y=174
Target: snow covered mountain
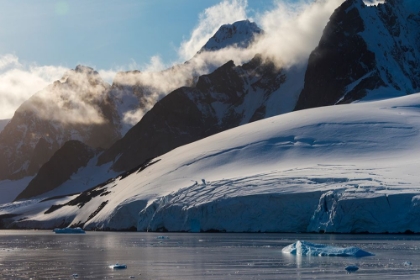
x=239, y=34
x=76, y=107
x=135, y=92
x=347, y=168
x=366, y=52
x=228, y=97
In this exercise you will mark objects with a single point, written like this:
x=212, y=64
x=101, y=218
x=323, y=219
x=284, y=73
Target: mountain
x=77, y=107
x=348, y=168
x=230, y=96
x=364, y=50
x=136, y=92
x=64, y=163
x=239, y=34
x=3, y=123
x=206, y=156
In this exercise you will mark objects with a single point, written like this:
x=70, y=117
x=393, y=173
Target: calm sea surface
x=45, y=255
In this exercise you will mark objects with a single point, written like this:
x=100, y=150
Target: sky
x=104, y=34
x=40, y=40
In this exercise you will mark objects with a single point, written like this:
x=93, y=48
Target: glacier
x=347, y=168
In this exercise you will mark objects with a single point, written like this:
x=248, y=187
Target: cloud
x=18, y=82
x=209, y=22
x=293, y=30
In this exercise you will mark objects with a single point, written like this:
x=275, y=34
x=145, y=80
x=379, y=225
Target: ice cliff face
x=76, y=107
x=364, y=49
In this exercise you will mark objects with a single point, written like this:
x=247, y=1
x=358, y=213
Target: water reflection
x=42, y=254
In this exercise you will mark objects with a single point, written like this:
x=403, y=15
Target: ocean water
x=45, y=255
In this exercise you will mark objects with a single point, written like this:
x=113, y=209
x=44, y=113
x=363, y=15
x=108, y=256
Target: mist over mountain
x=77, y=107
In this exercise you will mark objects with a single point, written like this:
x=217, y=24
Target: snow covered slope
x=347, y=168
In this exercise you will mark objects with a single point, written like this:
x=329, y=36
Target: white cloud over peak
x=209, y=22
x=293, y=30
x=18, y=82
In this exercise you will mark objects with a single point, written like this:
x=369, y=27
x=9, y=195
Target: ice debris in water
x=69, y=230
x=351, y=268
x=162, y=237
x=304, y=248
x=407, y=263
x=118, y=266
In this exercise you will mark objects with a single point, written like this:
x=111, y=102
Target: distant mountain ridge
x=75, y=108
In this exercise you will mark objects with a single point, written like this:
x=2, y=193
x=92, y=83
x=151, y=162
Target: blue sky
x=102, y=33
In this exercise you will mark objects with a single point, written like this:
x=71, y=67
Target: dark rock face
x=66, y=161
x=228, y=97
x=76, y=107
x=363, y=48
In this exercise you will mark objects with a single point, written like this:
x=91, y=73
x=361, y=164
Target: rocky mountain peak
x=239, y=34
x=363, y=49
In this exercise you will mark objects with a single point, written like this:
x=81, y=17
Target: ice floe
x=69, y=230
x=118, y=266
x=304, y=248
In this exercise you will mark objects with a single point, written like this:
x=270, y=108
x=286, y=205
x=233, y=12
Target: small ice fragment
x=118, y=266
x=407, y=263
x=304, y=248
x=351, y=268
x=69, y=230
x=132, y=277
x=162, y=237
x=75, y=275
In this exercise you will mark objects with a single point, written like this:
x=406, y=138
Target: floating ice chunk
x=304, y=248
x=118, y=266
x=407, y=263
x=69, y=230
x=351, y=268
x=162, y=237
x=75, y=275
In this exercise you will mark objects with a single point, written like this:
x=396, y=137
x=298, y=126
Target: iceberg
x=69, y=230
x=162, y=237
x=304, y=248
